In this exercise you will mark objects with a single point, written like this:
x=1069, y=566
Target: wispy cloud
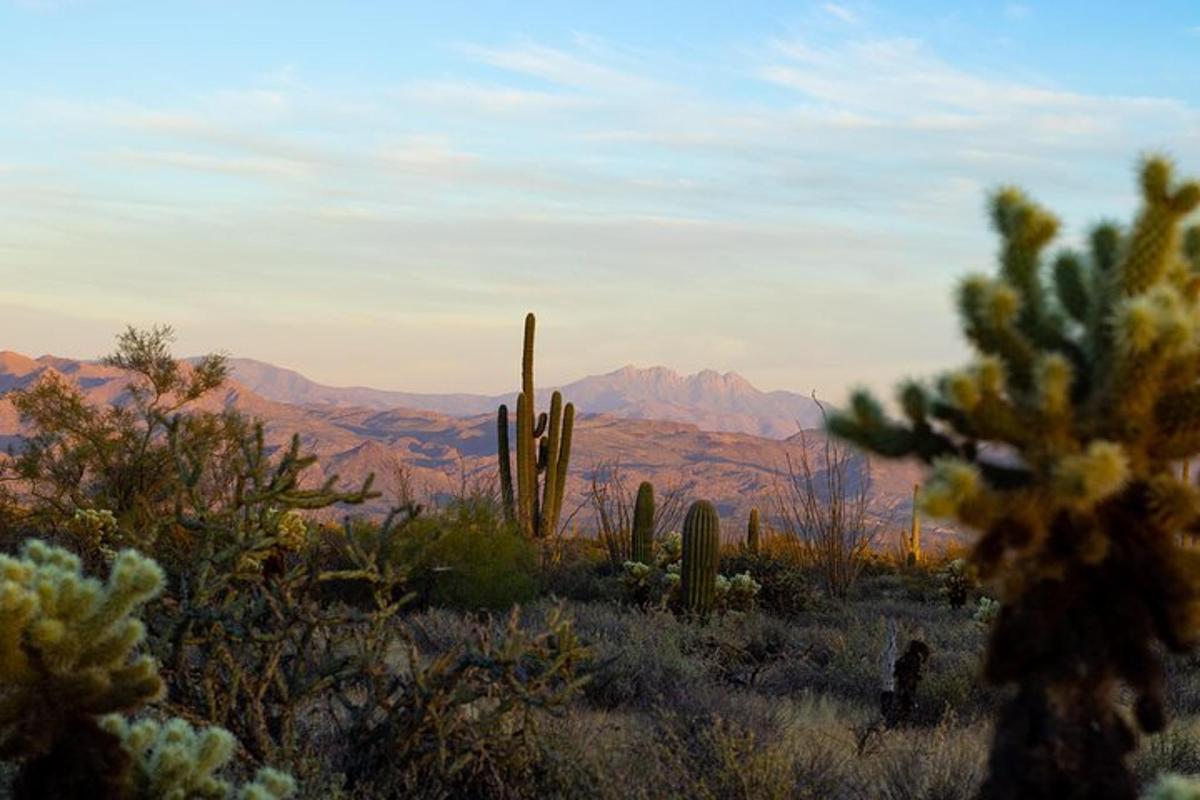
x=841, y=12
x=832, y=183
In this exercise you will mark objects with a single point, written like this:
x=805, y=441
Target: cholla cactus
x=68, y=654
x=670, y=550
x=174, y=761
x=1061, y=445
x=95, y=528
x=291, y=531
x=737, y=593
x=987, y=610
x=958, y=581
x=636, y=573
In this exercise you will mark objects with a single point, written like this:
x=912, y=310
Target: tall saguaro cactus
x=543, y=445
x=701, y=557
x=1060, y=444
x=643, y=524
x=753, y=532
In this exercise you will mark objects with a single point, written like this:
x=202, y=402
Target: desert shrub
x=465, y=723
x=942, y=763
x=466, y=557
x=582, y=573
x=785, y=588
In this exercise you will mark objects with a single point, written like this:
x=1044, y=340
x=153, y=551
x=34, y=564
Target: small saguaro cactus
x=543, y=445
x=753, y=533
x=1061, y=445
x=643, y=524
x=701, y=557
x=914, y=531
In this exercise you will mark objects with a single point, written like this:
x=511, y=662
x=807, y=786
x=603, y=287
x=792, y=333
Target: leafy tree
x=116, y=457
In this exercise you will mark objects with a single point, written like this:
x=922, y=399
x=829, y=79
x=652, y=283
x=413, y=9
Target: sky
x=375, y=193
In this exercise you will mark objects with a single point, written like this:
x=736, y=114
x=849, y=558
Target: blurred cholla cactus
x=1061, y=445
x=1174, y=787
x=987, y=610
x=174, y=761
x=67, y=655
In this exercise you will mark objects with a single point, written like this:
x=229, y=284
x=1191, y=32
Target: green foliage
x=701, y=557
x=174, y=761
x=543, y=445
x=466, y=557
x=643, y=524
x=1059, y=444
x=80, y=456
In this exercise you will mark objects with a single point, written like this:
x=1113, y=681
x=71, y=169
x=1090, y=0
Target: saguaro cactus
x=543, y=445
x=1060, y=444
x=701, y=557
x=643, y=524
x=753, y=532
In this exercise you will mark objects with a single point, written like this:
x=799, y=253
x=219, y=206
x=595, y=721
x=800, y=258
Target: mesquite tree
x=1060, y=444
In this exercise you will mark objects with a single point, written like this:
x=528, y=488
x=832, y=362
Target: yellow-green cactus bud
x=1053, y=378
x=1089, y=477
x=292, y=531
x=952, y=485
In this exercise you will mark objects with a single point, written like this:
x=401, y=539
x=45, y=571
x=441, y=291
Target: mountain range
x=708, y=399
x=358, y=431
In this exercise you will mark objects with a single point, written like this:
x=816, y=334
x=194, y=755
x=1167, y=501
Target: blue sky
x=375, y=193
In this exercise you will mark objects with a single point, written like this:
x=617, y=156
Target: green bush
x=467, y=557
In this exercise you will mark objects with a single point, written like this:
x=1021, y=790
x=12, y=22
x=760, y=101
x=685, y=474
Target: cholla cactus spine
x=701, y=556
